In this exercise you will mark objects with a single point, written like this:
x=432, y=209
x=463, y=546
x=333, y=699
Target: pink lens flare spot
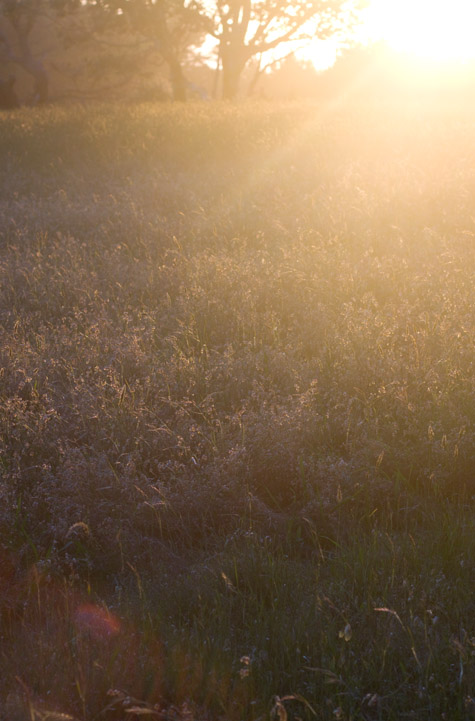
x=97, y=621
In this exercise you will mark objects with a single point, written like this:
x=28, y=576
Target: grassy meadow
x=237, y=413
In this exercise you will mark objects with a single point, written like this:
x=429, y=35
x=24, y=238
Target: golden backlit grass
x=237, y=412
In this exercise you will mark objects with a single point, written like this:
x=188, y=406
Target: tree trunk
x=8, y=97
x=168, y=51
x=41, y=82
x=232, y=69
x=32, y=65
x=24, y=57
x=177, y=79
x=255, y=79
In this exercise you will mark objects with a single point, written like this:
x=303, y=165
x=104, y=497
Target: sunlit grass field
x=237, y=413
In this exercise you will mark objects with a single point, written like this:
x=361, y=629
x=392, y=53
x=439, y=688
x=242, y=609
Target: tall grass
x=237, y=412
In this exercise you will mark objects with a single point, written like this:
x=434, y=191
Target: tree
x=111, y=41
x=19, y=18
x=170, y=26
x=8, y=96
x=246, y=28
x=53, y=39
x=97, y=58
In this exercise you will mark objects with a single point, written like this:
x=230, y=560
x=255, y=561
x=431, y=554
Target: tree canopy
x=123, y=32
x=246, y=28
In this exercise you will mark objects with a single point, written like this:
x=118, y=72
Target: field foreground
x=237, y=413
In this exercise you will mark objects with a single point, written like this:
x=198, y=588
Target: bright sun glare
x=438, y=30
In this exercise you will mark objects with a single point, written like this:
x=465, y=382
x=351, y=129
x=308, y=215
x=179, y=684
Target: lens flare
x=96, y=621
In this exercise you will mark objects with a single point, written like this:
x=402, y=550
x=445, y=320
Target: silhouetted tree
x=19, y=18
x=171, y=26
x=245, y=29
x=8, y=96
x=120, y=34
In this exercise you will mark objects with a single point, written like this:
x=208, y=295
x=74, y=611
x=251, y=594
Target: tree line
x=123, y=38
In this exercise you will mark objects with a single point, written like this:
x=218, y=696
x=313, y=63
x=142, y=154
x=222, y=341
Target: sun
x=437, y=30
